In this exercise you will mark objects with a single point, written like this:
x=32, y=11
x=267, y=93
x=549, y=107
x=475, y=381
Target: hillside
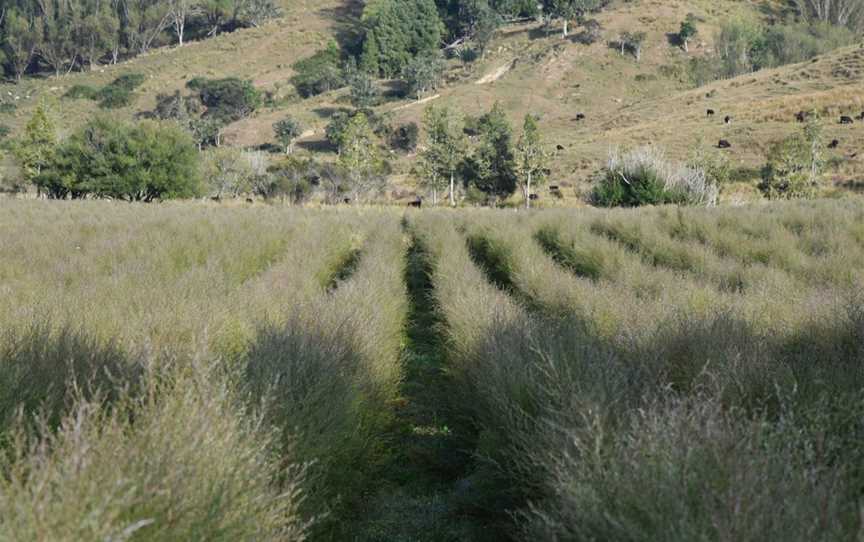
x=529, y=69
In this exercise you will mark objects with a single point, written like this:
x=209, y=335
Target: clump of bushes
x=322, y=72
x=644, y=176
x=135, y=162
x=405, y=137
x=227, y=100
x=114, y=95
x=744, y=46
x=795, y=164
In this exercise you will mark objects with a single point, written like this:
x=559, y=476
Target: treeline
x=59, y=36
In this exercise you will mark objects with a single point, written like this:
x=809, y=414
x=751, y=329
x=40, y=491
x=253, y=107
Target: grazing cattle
x=216, y=198
x=834, y=144
x=723, y=144
x=418, y=203
x=249, y=200
x=533, y=197
x=861, y=116
x=346, y=201
x=580, y=116
x=553, y=188
x=710, y=112
x=727, y=120
x=846, y=120
x=560, y=147
x=801, y=116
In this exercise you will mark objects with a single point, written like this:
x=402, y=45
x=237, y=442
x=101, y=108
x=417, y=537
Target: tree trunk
x=452, y=190
x=686, y=46
x=566, y=23
x=528, y=193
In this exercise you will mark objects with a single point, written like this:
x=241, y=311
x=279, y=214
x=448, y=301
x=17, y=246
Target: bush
x=590, y=34
x=119, y=92
x=405, y=137
x=787, y=173
x=133, y=162
x=319, y=73
x=227, y=100
x=81, y=92
x=644, y=176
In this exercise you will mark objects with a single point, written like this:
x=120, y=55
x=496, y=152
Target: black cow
x=861, y=116
x=801, y=116
x=710, y=112
x=723, y=144
x=834, y=144
x=727, y=120
x=249, y=200
x=846, y=120
x=580, y=116
x=418, y=203
x=553, y=188
x=533, y=197
x=560, y=147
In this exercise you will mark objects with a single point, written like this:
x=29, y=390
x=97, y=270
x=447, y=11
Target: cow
x=723, y=144
x=417, y=203
x=250, y=200
x=580, y=116
x=710, y=112
x=846, y=120
x=801, y=116
x=553, y=188
x=727, y=120
x=560, y=148
x=533, y=197
x=834, y=144
x=861, y=116
x=217, y=199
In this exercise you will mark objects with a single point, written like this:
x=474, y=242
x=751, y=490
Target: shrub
x=405, y=137
x=81, y=92
x=644, y=176
x=319, y=73
x=227, y=100
x=786, y=175
x=119, y=92
x=134, y=162
x=590, y=34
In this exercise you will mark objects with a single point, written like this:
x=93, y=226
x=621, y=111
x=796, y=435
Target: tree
x=132, y=162
x=364, y=92
x=21, y=37
x=568, y=10
x=795, y=164
x=423, y=74
x=530, y=158
x=358, y=155
x=179, y=12
x=687, y=31
x=145, y=20
x=838, y=12
x=634, y=42
x=227, y=170
x=445, y=149
x=492, y=169
x=95, y=32
x=319, y=73
x=402, y=30
x=287, y=130
x=227, y=100
x=38, y=145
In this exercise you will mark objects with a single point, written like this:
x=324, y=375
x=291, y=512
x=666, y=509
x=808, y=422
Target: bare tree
x=839, y=12
x=179, y=11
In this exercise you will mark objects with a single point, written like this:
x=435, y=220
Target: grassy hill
x=528, y=69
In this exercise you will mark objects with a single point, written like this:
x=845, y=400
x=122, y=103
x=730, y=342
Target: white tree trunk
x=528, y=193
x=566, y=23
x=452, y=190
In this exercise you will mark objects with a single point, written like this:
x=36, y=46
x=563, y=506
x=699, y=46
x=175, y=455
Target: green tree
x=364, y=92
x=319, y=73
x=38, y=145
x=423, y=74
x=227, y=171
x=287, y=130
x=567, y=10
x=492, y=167
x=687, y=31
x=402, y=30
x=132, y=162
x=358, y=155
x=530, y=158
x=21, y=36
x=445, y=149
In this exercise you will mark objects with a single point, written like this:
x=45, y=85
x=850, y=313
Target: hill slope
x=530, y=70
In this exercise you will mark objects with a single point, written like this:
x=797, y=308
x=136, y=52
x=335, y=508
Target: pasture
x=197, y=372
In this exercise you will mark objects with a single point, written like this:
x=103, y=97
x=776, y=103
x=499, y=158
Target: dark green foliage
x=119, y=92
x=292, y=180
x=227, y=100
x=322, y=72
x=287, y=130
x=423, y=74
x=401, y=30
x=492, y=167
x=405, y=137
x=133, y=162
x=81, y=92
x=645, y=187
x=364, y=92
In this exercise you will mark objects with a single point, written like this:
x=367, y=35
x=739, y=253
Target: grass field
x=197, y=372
